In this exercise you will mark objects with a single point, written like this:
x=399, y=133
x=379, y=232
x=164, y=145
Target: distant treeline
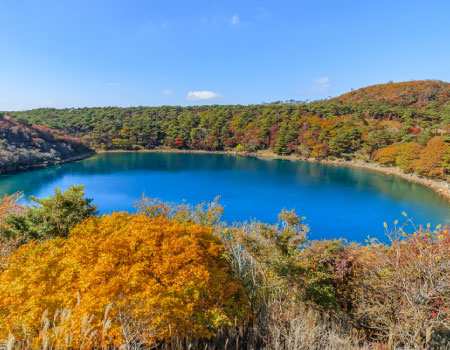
x=403, y=124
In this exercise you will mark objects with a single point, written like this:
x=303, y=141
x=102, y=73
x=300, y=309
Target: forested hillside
x=412, y=93
x=24, y=146
x=397, y=124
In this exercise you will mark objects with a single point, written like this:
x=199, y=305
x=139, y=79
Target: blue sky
x=142, y=52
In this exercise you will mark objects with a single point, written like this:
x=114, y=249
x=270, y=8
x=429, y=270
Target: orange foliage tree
x=319, y=151
x=431, y=161
x=9, y=206
x=401, y=155
x=387, y=155
x=171, y=276
x=407, y=153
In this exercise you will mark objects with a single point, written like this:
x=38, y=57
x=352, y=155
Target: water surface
x=337, y=201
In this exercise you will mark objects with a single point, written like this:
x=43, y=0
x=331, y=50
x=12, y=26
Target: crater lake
x=337, y=201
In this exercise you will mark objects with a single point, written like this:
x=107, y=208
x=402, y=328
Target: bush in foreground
x=50, y=217
x=170, y=277
x=177, y=277
x=9, y=207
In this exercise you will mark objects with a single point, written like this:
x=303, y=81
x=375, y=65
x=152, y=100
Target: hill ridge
x=414, y=93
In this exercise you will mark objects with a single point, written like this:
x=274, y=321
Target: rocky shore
x=47, y=163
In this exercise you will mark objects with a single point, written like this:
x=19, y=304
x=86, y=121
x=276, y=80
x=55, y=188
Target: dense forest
x=24, y=146
x=396, y=124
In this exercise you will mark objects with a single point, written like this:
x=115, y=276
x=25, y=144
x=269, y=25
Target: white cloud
x=202, y=95
x=321, y=85
x=113, y=84
x=235, y=20
x=167, y=92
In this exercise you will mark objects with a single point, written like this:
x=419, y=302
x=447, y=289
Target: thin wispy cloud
x=151, y=28
x=4, y=102
x=219, y=20
x=113, y=84
x=321, y=85
x=45, y=103
x=235, y=20
x=202, y=96
x=322, y=81
x=261, y=14
x=167, y=92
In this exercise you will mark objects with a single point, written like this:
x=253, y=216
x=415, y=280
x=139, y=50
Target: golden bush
x=432, y=159
x=172, y=276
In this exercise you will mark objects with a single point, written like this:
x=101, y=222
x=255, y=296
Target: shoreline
x=47, y=165
x=439, y=186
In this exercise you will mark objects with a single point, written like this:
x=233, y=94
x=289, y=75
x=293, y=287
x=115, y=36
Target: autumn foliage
x=177, y=277
x=416, y=93
x=365, y=125
x=433, y=160
x=9, y=206
x=24, y=145
x=401, y=294
x=173, y=275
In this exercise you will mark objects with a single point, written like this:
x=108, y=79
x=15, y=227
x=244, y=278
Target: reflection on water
x=338, y=200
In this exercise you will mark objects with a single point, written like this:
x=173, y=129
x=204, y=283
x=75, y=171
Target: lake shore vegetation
x=174, y=276
x=403, y=125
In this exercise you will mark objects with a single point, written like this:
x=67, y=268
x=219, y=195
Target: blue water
x=337, y=201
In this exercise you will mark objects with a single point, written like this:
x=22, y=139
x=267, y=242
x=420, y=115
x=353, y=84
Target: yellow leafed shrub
x=171, y=275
